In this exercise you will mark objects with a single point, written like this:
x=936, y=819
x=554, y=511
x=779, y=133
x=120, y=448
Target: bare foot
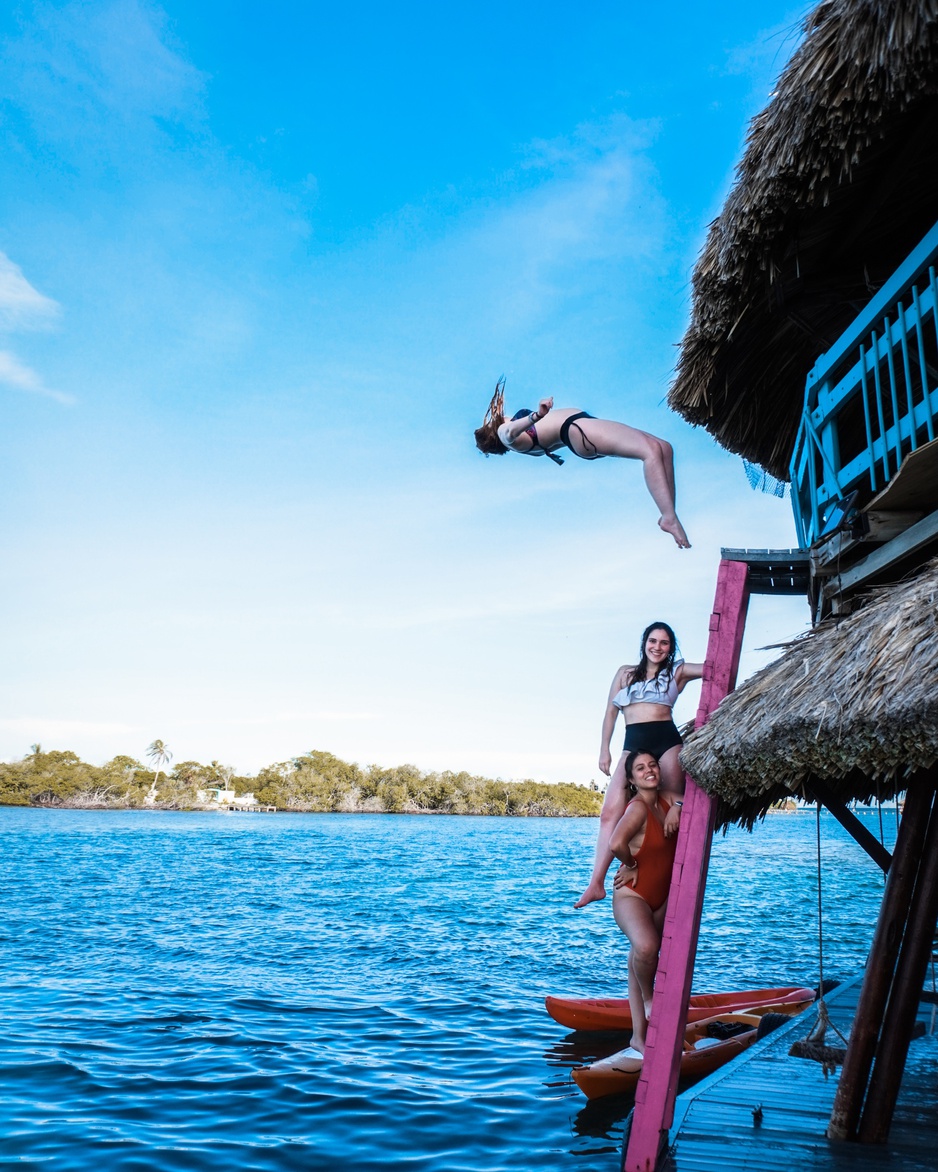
x=673, y=526
x=592, y=894
x=637, y=1044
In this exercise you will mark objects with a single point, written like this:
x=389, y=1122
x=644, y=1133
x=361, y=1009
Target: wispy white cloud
x=579, y=230
x=20, y=377
x=125, y=53
x=22, y=307
x=582, y=216
x=761, y=59
x=589, y=142
x=765, y=54
x=86, y=74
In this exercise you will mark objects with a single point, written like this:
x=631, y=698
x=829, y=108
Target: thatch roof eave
x=854, y=702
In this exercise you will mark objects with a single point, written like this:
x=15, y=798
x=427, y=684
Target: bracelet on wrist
x=631, y=866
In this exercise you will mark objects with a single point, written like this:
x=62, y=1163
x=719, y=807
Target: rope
x=823, y=1018
x=820, y=911
x=813, y=1046
x=882, y=837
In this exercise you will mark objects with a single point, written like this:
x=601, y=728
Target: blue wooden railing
x=872, y=398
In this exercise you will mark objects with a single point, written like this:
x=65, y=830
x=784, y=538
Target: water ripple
x=184, y=991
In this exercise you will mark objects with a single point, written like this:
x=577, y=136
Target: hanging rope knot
x=813, y=1047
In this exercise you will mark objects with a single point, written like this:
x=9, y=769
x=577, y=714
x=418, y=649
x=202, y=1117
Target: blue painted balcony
x=871, y=403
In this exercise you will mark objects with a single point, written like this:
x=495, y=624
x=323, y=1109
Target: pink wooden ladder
x=654, y=1096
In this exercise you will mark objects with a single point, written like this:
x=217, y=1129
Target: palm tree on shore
x=160, y=756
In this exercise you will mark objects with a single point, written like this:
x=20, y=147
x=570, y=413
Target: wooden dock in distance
x=717, y=1124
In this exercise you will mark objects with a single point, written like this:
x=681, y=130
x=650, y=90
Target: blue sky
x=261, y=267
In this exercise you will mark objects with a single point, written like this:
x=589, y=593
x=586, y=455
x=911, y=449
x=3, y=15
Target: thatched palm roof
x=838, y=183
x=854, y=702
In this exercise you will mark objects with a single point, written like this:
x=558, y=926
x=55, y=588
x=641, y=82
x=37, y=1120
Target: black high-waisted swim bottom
x=589, y=452
x=651, y=736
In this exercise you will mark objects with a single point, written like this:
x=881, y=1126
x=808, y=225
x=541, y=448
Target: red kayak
x=613, y=1013
x=708, y=1044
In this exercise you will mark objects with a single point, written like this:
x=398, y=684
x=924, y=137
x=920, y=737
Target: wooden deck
x=714, y=1127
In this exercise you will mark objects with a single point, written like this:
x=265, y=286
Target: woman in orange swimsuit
x=640, y=889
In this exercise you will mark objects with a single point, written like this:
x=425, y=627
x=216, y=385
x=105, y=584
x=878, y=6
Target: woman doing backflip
x=640, y=890
x=645, y=695
x=542, y=432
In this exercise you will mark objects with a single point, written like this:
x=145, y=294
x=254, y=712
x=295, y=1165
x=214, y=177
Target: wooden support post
x=654, y=1096
x=880, y=967
x=902, y=1009
x=850, y=822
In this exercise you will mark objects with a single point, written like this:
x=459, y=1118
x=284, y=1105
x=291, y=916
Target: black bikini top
x=533, y=434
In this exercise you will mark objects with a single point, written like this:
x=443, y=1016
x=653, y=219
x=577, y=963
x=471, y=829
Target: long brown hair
x=487, y=435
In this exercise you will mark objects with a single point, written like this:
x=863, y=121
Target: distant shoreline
x=115, y=808
x=315, y=783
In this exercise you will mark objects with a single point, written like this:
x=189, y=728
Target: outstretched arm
x=610, y=716
x=511, y=429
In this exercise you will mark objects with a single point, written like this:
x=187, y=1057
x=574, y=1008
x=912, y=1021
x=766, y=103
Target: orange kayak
x=703, y=1053
x=613, y=1013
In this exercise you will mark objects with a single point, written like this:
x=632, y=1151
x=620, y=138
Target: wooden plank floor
x=714, y=1126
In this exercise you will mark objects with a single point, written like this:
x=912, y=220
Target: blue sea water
x=196, y=990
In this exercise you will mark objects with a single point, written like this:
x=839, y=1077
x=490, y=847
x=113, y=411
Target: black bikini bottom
x=571, y=421
x=651, y=736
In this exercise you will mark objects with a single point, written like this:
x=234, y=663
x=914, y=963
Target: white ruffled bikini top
x=662, y=689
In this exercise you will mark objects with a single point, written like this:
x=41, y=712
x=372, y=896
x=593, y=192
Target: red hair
x=487, y=435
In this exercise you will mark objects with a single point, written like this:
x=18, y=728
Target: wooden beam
x=727, y=623
x=885, y=524
x=853, y=826
x=881, y=965
x=902, y=1009
x=774, y=571
x=767, y=557
x=826, y=558
x=871, y=526
x=654, y=1096
x=914, y=486
x=916, y=537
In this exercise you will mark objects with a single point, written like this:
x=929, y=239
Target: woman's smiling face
x=657, y=646
x=646, y=773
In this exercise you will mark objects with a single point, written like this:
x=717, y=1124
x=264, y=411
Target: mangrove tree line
x=316, y=782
